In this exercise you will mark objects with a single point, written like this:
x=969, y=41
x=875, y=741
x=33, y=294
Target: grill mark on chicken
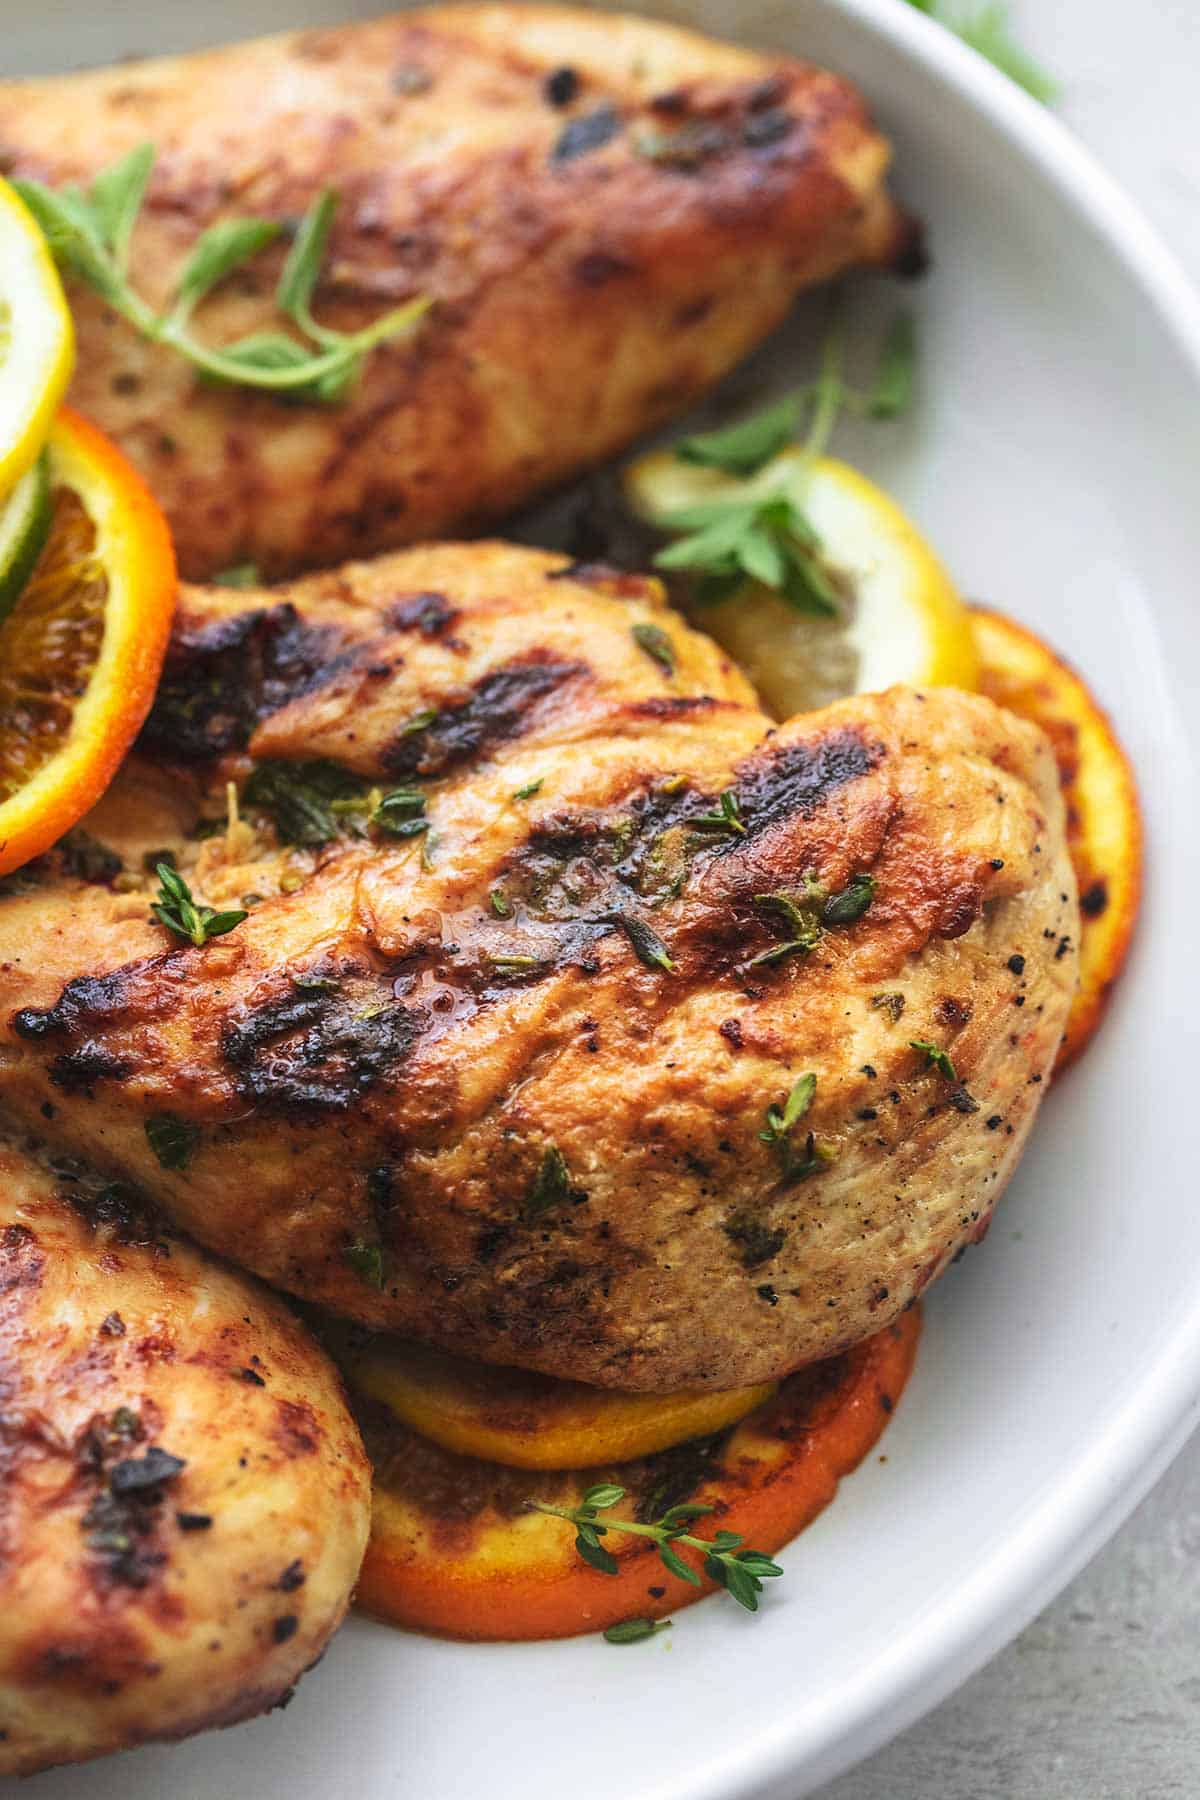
x=430, y=614
x=300, y=1055
x=503, y=705
x=220, y=679
x=798, y=778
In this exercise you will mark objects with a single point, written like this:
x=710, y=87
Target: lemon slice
x=900, y=618
x=24, y=528
x=37, y=342
x=532, y=1421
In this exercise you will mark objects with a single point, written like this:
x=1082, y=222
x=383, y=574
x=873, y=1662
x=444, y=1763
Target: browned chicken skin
x=607, y=212
x=184, y=1498
x=503, y=1083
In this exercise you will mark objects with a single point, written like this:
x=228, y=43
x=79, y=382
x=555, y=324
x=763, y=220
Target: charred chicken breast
x=605, y=212
x=580, y=1020
x=185, y=1497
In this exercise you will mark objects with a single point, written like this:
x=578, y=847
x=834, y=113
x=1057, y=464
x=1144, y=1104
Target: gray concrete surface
x=1100, y=1698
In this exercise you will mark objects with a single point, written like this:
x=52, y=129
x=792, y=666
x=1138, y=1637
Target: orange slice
x=81, y=649
x=456, y=1549
x=1104, y=822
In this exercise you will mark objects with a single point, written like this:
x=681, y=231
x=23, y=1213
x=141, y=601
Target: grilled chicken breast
x=512, y=1060
x=185, y=1498
x=606, y=212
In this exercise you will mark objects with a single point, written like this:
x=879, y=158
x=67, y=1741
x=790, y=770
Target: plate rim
x=1015, y=1581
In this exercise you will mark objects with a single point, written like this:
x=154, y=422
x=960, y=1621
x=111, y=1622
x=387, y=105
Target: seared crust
x=133, y=1608
x=599, y=251
x=386, y=1062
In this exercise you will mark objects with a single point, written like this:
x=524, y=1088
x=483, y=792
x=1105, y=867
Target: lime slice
x=37, y=342
x=899, y=617
x=24, y=527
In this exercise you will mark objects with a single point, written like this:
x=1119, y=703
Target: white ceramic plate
x=1054, y=460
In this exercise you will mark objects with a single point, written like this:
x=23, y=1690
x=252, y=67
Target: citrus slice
x=37, y=342
x=24, y=527
x=456, y=1547
x=529, y=1421
x=899, y=617
x=81, y=648
x=1104, y=824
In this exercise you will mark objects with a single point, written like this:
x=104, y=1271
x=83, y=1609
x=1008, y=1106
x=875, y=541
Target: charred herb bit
x=635, y=1631
x=757, y=1243
x=727, y=816
x=176, y=908
x=741, y=1572
x=891, y=1004
x=172, y=1139
x=657, y=645
x=648, y=946
x=530, y=789
x=367, y=1261
x=590, y=131
x=550, y=1187
x=852, y=902
x=935, y=1057
x=400, y=813
x=301, y=798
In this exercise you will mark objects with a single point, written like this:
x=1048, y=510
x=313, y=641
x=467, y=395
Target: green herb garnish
x=990, y=32
x=172, y=1139
x=181, y=913
x=851, y=903
x=500, y=903
x=800, y=918
x=89, y=235
x=935, y=1057
x=550, y=1187
x=301, y=798
x=748, y=445
x=530, y=789
x=735, y=538
x=726, y=817
x=778, y=1128
x=400, y=813
x=657, y=645
x=741, y=1572
x=648, y=946
x=635, y=1631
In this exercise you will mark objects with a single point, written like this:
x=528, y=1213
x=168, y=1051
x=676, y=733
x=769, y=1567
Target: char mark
x=220, y=680
x=90, y=1002
x=78, y=1070
x=430, y=614
x=500, y=708
x=302, y=1055
x=776, y=783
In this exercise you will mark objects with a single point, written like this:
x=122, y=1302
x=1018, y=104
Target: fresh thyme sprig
x=781, y=1121
x=89, y=235
x=740, y=1571
x=762, y=533
x=180, y=912
x=935, y=1057
x=726, y=816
